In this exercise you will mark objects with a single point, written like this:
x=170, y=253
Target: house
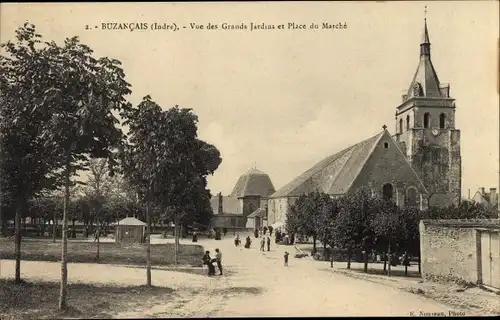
x=486, y=198
x=249, y=194
x=130, y=230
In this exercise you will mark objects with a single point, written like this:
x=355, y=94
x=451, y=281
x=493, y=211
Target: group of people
x=263, y=242
x=209, y=262
x=283, y=237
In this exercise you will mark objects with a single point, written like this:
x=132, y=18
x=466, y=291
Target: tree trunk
x=2, y=234
x=148, y=248
x=385, y=261
x=314, y=244
x=177, y=229
x=64, y=255
x=365, y=258
x=175, y=243
x=349, y=251
x=54, y=225
x=18, y=240
x=324, y=250
x=389, y=257
x=98, y=227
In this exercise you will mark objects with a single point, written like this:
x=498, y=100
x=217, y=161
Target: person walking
x=286, y=258
x=237, y=240
x=195, y=236
x=268, y=243
x=248, y=242
x=218, y=257
x=262, y=243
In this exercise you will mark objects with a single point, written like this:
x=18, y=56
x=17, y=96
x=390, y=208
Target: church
x=419, y=165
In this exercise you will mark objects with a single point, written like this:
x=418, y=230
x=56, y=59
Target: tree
x=353, y=229
x=389, y=224
x=97, y=189
x=305, y=213
x=81, y=95
x=326, y=225
x=27, y=165
x=167, y=164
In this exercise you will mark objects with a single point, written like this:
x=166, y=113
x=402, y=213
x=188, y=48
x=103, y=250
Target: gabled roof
x=253, y=183
x=258, y=213
x=336, y=174
x=131, y=221
x=333, y=173
x=484, y=197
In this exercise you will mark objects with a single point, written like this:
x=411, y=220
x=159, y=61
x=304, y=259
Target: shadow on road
x=39, y=300
x=400, y=272
x=239, y=290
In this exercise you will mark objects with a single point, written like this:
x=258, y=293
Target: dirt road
x=255, y=284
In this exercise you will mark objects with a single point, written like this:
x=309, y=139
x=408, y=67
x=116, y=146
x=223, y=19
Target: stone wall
x=229, y=221
x=449, y=248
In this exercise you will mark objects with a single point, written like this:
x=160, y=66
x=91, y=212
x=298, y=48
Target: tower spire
x=425, y=44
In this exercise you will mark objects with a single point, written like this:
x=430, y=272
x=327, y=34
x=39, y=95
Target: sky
x=282, y=100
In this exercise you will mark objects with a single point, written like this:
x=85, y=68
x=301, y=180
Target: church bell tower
x=425, y=130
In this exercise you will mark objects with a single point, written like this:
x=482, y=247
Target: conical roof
x=253, y=183
x=425, y=82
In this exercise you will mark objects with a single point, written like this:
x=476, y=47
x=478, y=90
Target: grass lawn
x=39, y=300
x=110, y=253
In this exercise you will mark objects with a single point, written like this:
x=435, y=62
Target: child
x=286, y=259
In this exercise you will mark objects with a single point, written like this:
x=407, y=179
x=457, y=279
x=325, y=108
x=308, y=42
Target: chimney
x=221, y=208
x=493, y=196
x=481, y=191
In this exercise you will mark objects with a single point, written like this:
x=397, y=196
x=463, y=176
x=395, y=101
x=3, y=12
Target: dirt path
x=255, y=284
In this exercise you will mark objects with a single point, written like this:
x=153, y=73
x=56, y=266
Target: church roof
x=341, y=167
x=253, y=183
x=425, y=82
x=337, y=173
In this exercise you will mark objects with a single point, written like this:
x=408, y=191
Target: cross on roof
x=425, y=13
x=384, y=127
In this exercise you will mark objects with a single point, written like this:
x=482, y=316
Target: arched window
x=386, y=145
x=408, y=122
x=442, y=120
x=387, y=191
x=427, y=120
x=400, y=125
x=411, y=198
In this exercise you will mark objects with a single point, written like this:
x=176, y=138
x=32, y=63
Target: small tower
x=252, y=188
x=425, y=130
